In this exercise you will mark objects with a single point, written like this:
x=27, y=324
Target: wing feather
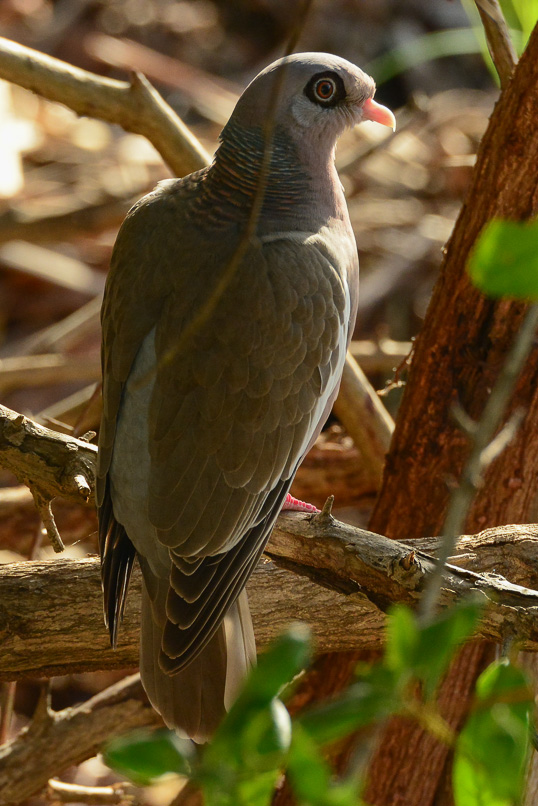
x=200, y=441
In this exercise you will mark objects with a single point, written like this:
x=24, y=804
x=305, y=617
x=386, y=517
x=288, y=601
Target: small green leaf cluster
x=504, y=261
x=258, y=741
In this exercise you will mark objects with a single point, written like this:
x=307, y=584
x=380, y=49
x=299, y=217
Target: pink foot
x=294, y=505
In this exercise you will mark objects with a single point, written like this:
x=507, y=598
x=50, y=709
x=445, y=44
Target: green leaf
x=527, y=13
x=439, y=640
x=288, y=655
x=248, y=751
x=423, y=652
x=370, y=700
x=492, y=750
x=246, y=774
x=504, y=261
x=143, y=756
x=311, y=778
x=402, y=640
x=247, y=790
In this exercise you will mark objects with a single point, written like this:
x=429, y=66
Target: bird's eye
x=325, y=89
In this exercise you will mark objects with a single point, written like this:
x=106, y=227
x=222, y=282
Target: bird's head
x=312, y=96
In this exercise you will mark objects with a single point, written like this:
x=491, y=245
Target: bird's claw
x=292, y=504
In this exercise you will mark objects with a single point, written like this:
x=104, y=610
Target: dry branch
x=52, y=267
x=96, y=217
x=354, y=406
x=343, y=578
x=57, y=740
x=48, y=462
x=137, y=106
x=62, y=792
x=78, y=326
x=500, y=44
x=18, y=372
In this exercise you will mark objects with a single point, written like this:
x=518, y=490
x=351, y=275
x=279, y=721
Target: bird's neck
x=295, y=196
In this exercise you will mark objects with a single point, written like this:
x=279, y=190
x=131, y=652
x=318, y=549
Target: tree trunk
x=457, y=357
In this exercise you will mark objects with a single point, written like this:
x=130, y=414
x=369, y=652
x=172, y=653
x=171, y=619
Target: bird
x=223, y=345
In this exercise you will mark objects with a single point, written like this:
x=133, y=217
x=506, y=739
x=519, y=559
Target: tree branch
x=49, y=463
x=366, y=419
x=500, y=44
x=56, y=740
x=343, y=578
x=55, y=464
x=137, y=106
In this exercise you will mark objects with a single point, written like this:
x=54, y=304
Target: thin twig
x=481, y=439
x=21, y=372
x=353, y=407
x=500, y=44
x=7, y=701
x=63, y=792
x=89, y=218
x=80, y=325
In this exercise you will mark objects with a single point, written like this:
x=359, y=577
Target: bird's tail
x=195, y=699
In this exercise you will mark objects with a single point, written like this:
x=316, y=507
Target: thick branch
x=137, y=106
x=57, y=740
x=51, y=463
x=51, y=615
x=458, y=354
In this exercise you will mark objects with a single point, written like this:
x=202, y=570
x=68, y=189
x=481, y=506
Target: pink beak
x=380, y=114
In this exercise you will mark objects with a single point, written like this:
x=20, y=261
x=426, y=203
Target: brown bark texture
x=457, y=357
x=55, y=740
x=341, y=580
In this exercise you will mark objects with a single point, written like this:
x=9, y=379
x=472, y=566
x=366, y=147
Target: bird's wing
x=242, y=378
x=235, y=406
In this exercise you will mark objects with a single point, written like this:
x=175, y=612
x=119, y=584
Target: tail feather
x=240, y=646
x=195, y=699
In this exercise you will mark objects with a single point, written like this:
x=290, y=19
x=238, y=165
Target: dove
x=224, y=340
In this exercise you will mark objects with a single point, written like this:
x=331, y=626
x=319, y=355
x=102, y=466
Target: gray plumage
x=205, y=424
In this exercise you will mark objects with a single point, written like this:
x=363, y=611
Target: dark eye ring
x=325, y=89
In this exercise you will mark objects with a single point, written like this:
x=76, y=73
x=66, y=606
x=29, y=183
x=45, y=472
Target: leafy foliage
x=494, y=740
x=504, y=261
x=257, y=740
x=521, y=16
x=143, y=756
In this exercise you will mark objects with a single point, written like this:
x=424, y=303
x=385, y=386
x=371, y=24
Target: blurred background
x=67, y=182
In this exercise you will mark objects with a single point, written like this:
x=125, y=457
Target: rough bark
x=56, y=740
x=343, y=578
x=458, y=354
x=52, y=463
